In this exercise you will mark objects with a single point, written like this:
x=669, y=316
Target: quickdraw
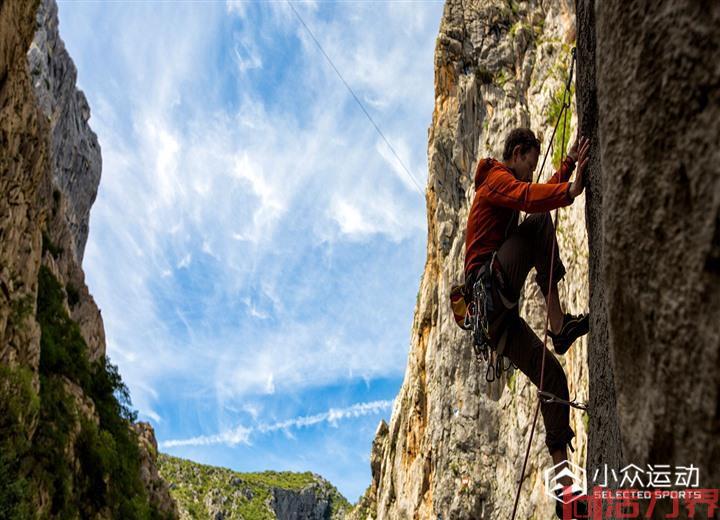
x=547, y=397
x=480, y=308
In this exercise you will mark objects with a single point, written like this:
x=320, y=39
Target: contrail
x=241, y=434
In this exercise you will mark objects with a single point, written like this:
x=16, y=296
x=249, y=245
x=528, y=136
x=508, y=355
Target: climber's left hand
x=578, y=185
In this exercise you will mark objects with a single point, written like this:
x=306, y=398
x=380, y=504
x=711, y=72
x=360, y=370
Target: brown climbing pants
x=530, y=246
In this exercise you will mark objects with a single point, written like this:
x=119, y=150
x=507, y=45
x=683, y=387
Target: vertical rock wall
x=455, y=444
x=604, y=446
x=23, y=181
x=650, y=78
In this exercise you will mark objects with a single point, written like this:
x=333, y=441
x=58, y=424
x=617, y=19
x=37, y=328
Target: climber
x=496, y=244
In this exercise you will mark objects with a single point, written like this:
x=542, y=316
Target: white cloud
x=301, y=356
x=272, y=205
x=349, y=217
x=163, y=146
x=185, y=261
x=237, y=7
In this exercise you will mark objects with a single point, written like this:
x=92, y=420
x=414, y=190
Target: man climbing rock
x=496, y=244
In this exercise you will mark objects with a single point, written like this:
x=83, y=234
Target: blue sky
x=255, y=248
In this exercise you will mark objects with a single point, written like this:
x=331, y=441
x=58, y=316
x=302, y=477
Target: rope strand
x=563, y=116
x=357, y=100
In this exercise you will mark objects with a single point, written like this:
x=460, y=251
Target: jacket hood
x=483, y=168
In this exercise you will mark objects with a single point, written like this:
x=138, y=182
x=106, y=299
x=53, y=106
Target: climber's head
x=521, y=153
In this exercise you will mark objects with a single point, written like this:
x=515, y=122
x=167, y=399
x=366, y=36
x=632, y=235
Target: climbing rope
x=357, y=100
x=561, y=116
x=547, y=396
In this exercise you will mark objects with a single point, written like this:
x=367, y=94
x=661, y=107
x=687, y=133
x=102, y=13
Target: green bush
x=108, y=452
x=62, y=348
x=19, y=405
x=51, y=469
x=553, y=113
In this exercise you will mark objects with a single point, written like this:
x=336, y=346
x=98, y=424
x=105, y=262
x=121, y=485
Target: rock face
x=158, y=490
x=304, y=504
x=455, y=443
x=647, y=267
x=24, y=181
x=654, y=224
x=76, y=160
x=62, y=430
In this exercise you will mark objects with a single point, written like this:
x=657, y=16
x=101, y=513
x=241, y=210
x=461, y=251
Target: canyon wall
x=67, y=448
x=642, y=255
x=455, y=443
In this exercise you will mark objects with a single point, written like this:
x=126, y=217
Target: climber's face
x=524, y=164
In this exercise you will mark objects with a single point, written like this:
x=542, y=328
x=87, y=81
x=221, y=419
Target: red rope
x=563, y=115
x=542, y=374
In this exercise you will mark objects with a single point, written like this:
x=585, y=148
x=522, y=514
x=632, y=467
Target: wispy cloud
x=197, y=202
x=243, y=434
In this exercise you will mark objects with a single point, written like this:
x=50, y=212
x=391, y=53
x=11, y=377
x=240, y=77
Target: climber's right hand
x=578, y=185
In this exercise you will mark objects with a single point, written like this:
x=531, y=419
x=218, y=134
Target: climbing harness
x=481, y=305
x=544, y=396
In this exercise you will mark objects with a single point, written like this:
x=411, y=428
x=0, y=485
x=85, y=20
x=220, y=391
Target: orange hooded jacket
x=499, y=197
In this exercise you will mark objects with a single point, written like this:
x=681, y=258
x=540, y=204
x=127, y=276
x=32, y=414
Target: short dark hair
x=523, y=137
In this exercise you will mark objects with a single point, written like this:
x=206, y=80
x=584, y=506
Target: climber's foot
x=577, y=506
x=572, y=328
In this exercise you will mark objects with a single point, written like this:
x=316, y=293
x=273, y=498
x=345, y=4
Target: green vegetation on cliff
x=553, y=113
x=203, y=491
x=67, y=434
x=555, y=109
x=19, y=406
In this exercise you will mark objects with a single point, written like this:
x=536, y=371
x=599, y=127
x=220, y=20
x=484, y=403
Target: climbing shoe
x=573, y=327
x=578, y=507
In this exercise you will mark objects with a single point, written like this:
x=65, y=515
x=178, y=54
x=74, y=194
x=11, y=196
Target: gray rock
x=651, y=82
x=306, y=504
x=75, y=151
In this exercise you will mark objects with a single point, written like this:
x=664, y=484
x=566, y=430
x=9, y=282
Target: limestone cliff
x=647, y=267
x=455, y=443
x=76, y=160
x=66, y=446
